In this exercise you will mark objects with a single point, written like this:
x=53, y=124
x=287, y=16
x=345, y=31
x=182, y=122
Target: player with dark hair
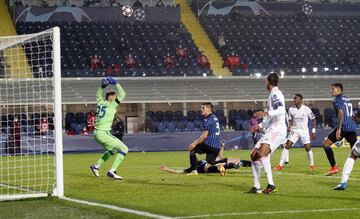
x=105, y=112
x=350, y=161
x=346, y=127
x=221, y=164
x=275, y=134
x=298, y=116
x=209, y=141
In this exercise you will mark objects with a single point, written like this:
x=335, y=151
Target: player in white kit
x=299, y=116
x=275, y=133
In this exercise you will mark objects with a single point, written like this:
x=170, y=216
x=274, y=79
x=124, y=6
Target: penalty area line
x=116, y=208
x=268, y=213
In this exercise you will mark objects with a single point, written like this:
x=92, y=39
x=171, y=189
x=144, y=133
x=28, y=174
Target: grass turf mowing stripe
x=116, y=208
x=268, y=213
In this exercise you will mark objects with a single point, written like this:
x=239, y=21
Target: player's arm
x=170, y=170
x=201, y=139
x=289, y=120
x=340, y=123
x=99, y=93
x=120, y=90
x=312, y=117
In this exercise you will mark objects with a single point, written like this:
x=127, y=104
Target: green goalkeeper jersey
x=106, y=110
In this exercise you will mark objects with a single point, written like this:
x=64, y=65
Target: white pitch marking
x=116, y=208
x=268, y=213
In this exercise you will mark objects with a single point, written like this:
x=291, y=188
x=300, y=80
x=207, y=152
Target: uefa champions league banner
x=85, y=14
x=221, y=7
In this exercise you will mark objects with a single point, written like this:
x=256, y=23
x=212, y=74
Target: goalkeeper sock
x=106, y=156
x=118, y=159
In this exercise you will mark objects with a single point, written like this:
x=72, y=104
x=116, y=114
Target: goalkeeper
x=106, y=109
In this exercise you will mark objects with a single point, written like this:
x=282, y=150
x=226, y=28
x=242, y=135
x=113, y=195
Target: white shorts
x=356, y=148
x=273, y=138
x=296, y=134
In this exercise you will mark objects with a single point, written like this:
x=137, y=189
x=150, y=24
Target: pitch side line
x=268, y=213
x=116, y=208
x=318, y=176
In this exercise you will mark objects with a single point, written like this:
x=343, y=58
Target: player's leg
x=310, y=155
x=285, y=154
x=193, y=158
x=120, y=150
x=348, y=166
x=99, y=137
x=171, y=170
x=221, y=152
x=264, y=152
x=329, y=152
x=255, y=168
x=211, y=156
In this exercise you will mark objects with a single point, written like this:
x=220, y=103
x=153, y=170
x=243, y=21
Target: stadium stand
x=148, y=42
x=307, y=45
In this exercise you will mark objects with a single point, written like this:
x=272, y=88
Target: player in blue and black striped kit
x=346, y=127
x=209, y=141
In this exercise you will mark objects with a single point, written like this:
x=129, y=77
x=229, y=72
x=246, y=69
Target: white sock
x=256, y=167
x=310, y=156
x=265, y=161
x=284, y=155
x=348, y=166
x=287, y=156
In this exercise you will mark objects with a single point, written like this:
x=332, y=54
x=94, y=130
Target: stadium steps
x=15, y=57
x=201, y=39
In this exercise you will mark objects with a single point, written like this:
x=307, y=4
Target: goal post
x=31, y=152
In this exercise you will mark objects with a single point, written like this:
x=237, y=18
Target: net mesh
x=27, y=160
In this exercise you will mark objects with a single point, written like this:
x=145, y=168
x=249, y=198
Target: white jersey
x=276, y=120
x=300, y=117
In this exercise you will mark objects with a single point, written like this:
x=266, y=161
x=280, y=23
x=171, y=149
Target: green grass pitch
x=146, y=188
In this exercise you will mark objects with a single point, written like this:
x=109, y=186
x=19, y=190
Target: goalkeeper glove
x=104, y=83
x=111, y=80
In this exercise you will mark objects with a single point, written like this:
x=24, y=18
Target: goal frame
x=58, y=189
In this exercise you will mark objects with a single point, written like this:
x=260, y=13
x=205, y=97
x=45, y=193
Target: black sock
x=245, y=163
x=193, y=160
x=330, y=155
x=213, y=169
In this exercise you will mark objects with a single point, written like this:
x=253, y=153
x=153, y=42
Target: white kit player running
x=299, y=116
x=275, y=135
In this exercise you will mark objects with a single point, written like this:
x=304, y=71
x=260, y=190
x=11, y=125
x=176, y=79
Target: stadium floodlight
x=204, y=74
x=326, y=69
x=315, y=69
x=282, y=73
x=30, y=96
x=336, y=68
x=303, y=69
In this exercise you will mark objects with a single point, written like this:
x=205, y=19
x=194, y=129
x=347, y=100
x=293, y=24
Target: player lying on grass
x=106, y=109
x=350, y=161
x=221, y=164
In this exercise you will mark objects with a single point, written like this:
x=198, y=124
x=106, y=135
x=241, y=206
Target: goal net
x=30, y=109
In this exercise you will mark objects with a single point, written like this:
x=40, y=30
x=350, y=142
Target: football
x=127, y=11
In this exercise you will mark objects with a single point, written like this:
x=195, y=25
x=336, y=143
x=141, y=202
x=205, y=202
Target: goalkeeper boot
x=255, y=190
x=112, y=174
x=270, y=189
x=94, y=170
x=339, y=187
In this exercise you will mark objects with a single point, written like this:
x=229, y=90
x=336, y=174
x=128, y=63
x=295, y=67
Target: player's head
x=297, y=99
x=110, y=96
x=336, y=89
x=272, y=80
x=206, y=109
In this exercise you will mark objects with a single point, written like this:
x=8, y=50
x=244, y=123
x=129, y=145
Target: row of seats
x=148, y=42
x=277, y=42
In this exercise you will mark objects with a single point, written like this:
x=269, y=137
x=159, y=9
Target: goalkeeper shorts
x=110, y=142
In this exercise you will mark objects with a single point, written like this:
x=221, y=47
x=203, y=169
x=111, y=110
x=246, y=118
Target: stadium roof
x=199, y=89
x=180, y=89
